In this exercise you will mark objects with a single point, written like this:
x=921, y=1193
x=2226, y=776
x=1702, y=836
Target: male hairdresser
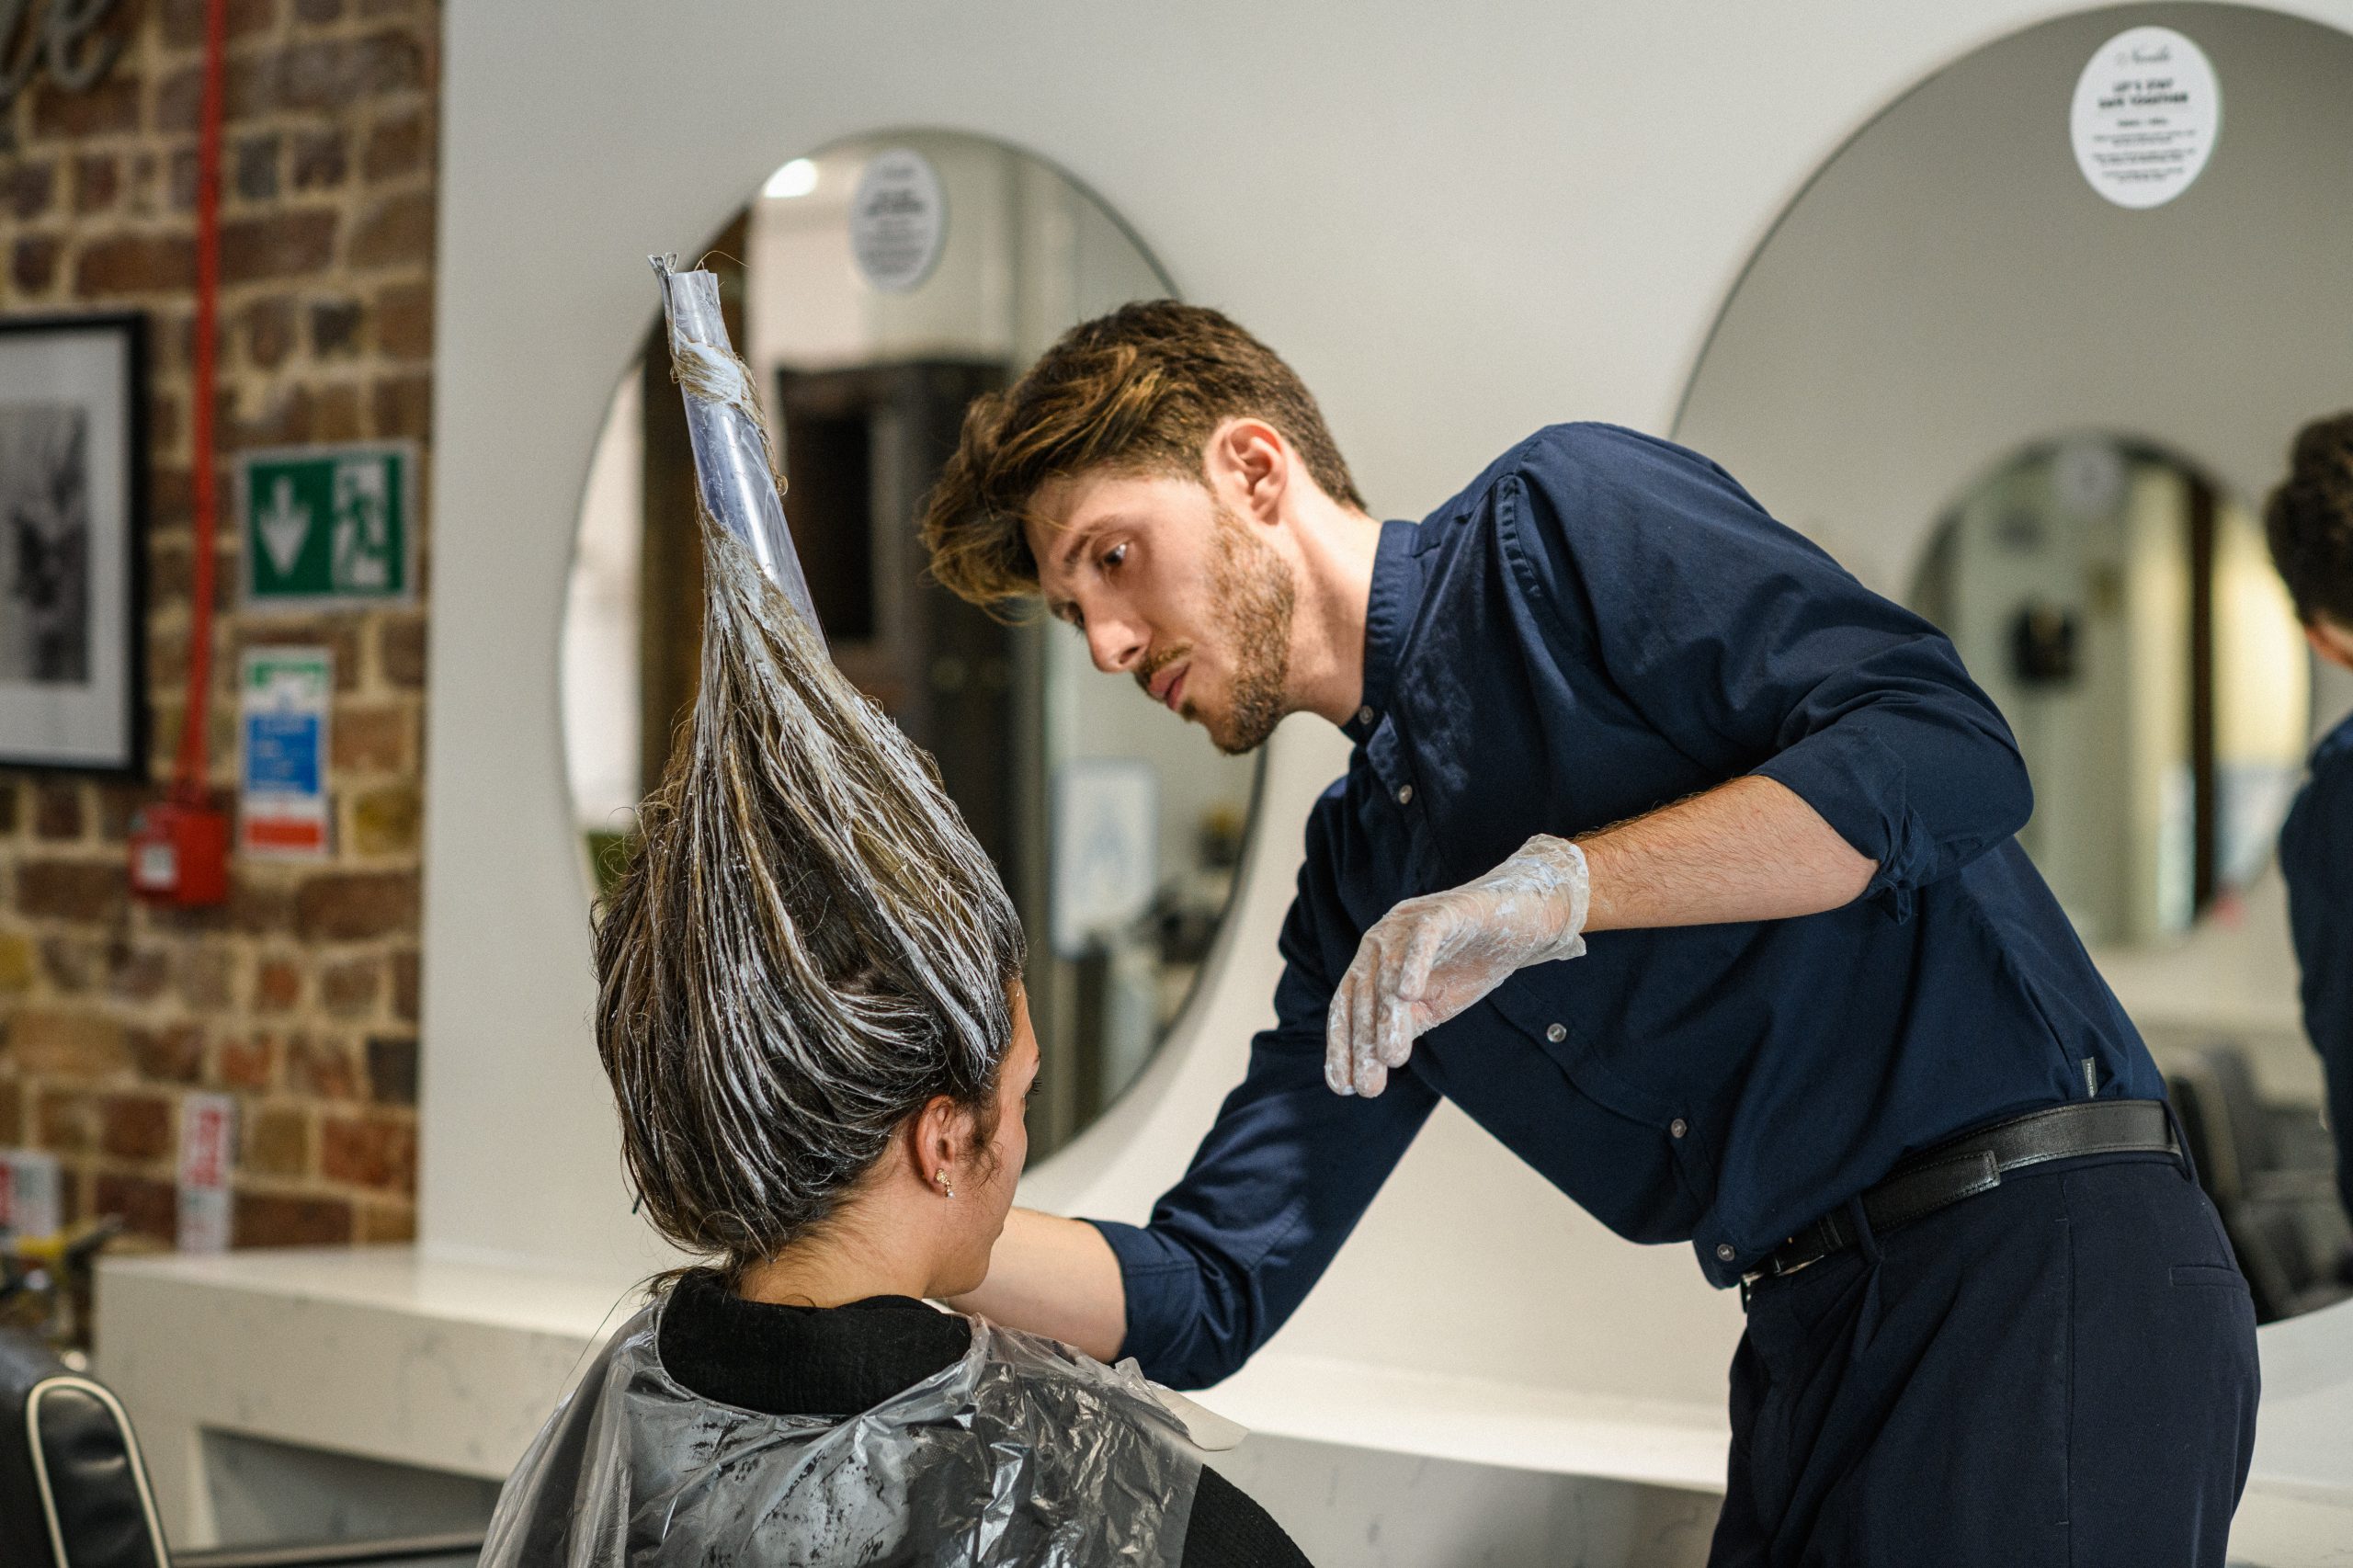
x=1684, y=865
x=2310, y=522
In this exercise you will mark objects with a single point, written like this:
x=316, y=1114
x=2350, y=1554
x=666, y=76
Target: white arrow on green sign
x=328, y=527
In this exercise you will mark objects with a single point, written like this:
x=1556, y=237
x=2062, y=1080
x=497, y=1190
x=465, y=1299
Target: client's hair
x=807, y=947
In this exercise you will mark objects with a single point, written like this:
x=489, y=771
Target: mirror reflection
x=2123, y=613
x=878, y=286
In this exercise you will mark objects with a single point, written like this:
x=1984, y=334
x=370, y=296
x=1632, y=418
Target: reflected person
x=2310, y=524
x=809, y=1008
x=1683, y=864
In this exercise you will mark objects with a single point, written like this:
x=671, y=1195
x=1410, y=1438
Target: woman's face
x=985, y=1204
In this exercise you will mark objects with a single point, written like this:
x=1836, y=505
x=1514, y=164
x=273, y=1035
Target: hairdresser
x=1682, y=863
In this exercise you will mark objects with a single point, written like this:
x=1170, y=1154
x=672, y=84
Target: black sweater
x=840, y=1360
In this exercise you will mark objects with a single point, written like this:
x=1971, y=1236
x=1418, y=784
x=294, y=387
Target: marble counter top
x=1478, y=1420
x=384, y=1353
x=392, y=1354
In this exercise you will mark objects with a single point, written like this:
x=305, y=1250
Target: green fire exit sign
x=328, y=527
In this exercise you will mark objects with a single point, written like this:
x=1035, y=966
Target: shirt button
x=1405, y=794
x=1557, y=1033
x=1724, y=1252
x=1364, y=715
x=1678, y=1128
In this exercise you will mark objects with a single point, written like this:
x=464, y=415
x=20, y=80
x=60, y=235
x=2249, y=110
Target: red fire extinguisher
x=179, y=846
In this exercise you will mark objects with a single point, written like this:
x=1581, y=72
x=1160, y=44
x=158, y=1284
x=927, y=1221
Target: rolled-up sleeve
x=1284, y=1175
x=1753, y=651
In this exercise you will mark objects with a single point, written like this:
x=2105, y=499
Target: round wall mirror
x=876, y=287
x=2122, y=613
x=1990, y=389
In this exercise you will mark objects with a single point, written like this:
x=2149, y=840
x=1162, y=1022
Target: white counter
x=390, y=1354
x=2298, y=1504
x=377, y=1352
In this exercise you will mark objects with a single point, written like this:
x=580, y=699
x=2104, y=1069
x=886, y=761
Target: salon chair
x=2270, y=1170
x=73, y=1491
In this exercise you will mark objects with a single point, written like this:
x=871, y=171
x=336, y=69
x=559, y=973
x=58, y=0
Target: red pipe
x=188, y=777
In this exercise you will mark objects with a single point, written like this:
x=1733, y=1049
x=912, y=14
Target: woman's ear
x=939, y=1142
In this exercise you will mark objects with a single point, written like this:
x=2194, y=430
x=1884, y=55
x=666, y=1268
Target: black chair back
x=74, y=1493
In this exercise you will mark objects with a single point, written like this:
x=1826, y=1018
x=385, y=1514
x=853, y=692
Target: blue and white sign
x=28, y=1183
x=286, y=694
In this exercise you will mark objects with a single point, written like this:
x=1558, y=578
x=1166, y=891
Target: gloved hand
x=1430, y=958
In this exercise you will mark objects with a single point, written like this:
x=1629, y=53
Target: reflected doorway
x=2122, y=612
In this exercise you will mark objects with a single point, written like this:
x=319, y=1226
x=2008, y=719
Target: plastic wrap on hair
x=808, y=943
x=738, y=489
x=1022, y=1453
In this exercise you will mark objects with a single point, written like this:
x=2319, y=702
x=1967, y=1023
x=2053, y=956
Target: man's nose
x=1116, y=646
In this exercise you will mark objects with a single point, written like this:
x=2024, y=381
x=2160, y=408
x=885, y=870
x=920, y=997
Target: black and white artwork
x=45, y=542
x=72, y=524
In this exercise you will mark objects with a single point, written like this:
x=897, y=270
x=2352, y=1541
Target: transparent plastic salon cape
x=1023, y=1452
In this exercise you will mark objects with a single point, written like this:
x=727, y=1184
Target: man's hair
x=1139, y=391
x=806, y=948
x=2310, y=521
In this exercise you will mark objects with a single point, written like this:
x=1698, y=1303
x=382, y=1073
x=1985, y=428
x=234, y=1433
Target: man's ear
x=1249, y=466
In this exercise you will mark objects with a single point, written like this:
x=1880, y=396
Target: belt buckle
x=1772, y=1270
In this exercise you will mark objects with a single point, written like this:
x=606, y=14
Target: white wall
x=1458, y=223
x=598, y=667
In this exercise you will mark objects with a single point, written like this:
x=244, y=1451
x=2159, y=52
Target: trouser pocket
x=2166, y=1380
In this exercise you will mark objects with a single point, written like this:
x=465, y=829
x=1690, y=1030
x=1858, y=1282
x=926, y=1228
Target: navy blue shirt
x=1602, y=624
x=2317, y=857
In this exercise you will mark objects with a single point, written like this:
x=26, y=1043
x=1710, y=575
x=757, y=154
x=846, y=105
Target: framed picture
x=73, y=543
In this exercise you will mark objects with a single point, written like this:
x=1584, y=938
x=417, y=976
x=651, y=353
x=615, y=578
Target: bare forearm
x=1057, y=1278
x=1748, y=851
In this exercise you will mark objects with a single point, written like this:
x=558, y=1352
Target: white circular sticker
x=898, y=220
x=2146, y=113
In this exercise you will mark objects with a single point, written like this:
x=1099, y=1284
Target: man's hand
x=1430, y=958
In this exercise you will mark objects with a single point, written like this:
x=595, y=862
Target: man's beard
x=1253, y=593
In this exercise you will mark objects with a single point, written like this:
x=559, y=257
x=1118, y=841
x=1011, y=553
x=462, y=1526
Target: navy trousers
x=2060, y=1372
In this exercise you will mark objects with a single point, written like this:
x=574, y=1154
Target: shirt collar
x=1396, y=594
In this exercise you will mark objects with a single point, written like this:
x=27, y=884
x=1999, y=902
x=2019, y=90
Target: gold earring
x=941, y=1177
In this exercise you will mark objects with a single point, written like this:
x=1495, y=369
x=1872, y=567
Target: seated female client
x=811, y=1011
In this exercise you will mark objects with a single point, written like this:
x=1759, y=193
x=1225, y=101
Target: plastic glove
x=1430, y=958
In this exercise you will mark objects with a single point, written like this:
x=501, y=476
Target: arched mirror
x=2036, y=383
x=2122, y=612
x=876, y=287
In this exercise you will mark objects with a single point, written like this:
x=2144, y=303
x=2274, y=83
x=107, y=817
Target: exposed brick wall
x=300, y=997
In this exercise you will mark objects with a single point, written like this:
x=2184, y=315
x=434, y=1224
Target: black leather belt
x=1974, y=1163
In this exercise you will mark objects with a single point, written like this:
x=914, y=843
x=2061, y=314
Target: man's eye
x=1114, y=556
